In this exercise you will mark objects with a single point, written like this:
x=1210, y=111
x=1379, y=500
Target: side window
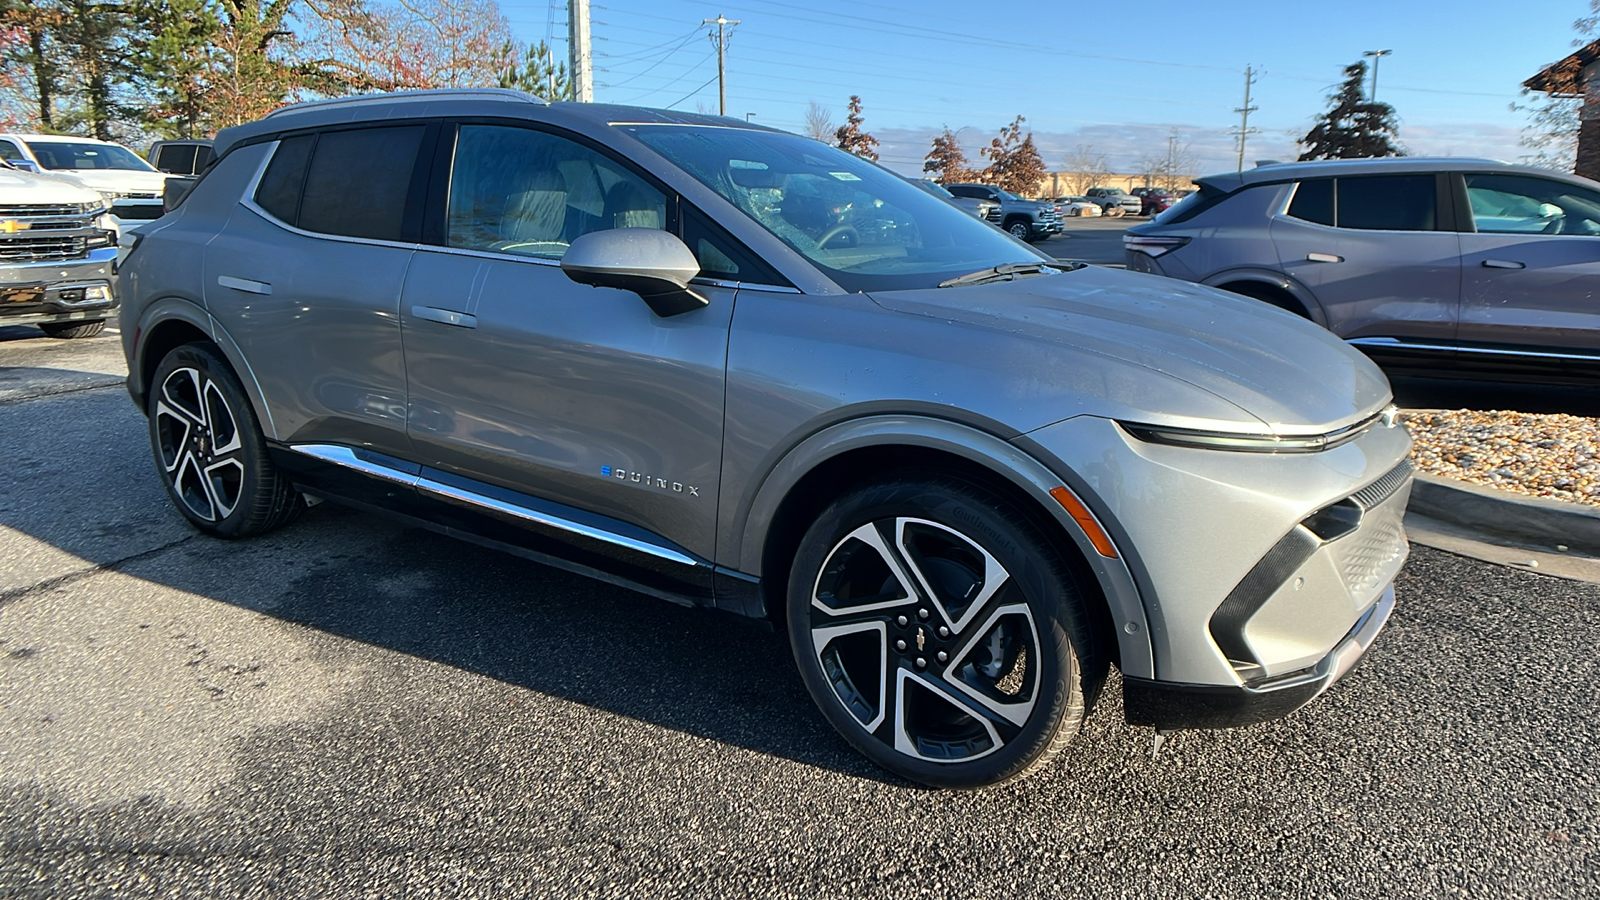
x=175, y=158
x=279, y=190
x=1313, y=201
x=720, y=255
x=9, y=151
x=1521, y=204
x=961, y=190
x=358, y=180
x=1388, y=202
x=516, y=190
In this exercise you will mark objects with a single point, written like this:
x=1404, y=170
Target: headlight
x=1258, y=443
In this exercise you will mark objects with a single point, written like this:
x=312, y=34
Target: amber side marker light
x=1085, y=519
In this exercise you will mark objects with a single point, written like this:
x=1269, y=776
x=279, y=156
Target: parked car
x=1027, y=220
x=180, y=157
x=1078, y=206
x=1115, y=201
x=129, y=185
x=1424, y=263
x=963, y=477
x=979, y=208
x=1155, y=202
x=56, y=255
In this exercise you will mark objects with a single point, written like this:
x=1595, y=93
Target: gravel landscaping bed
x=1555, y=456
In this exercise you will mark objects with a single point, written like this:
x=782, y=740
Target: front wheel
x=209, y=450
x=1020, y=230
x=67, y=330
x=942, y=636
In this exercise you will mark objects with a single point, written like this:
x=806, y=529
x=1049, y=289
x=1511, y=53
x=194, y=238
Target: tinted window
x=357, y=182
x=176, y=159
x=279, y=190
x=1520, y=204
x=961, y=190
x=515, y=190
x=1313, y=201
x=1387, y=202
x=9, y=150
x=720, y=256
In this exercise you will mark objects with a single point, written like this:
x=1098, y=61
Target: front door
x=522, y=379
x=1532, y=269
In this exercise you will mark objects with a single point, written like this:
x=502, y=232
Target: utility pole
x=1376, y=55
x=720, y=40
x=549, y=74
x=580, y=60
x=1244, y=130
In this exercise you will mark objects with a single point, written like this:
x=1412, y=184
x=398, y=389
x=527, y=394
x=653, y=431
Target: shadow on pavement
x=1412, y=392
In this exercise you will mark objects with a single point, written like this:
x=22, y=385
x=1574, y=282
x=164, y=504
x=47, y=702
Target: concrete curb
x=1531, y=519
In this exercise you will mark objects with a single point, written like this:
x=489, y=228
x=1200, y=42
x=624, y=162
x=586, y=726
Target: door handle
x=445, y=316
x=1324, y=257
x=1502, y=264
x=244, y=284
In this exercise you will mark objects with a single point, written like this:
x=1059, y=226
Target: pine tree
x=945, y=162
x=540, y=74
x=851, y=139
x=1353, y=128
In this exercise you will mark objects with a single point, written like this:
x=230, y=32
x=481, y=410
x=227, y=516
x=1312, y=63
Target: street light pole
x=1376, y=55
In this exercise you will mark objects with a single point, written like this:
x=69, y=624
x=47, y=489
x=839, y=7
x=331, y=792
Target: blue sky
x=1117, y=76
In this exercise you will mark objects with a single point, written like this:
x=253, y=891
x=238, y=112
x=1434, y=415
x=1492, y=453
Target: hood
x=18, y=187
x=1269, y=367
x=120, y=180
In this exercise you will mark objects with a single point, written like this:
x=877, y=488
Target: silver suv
x=1426, y=264
x=734, y=368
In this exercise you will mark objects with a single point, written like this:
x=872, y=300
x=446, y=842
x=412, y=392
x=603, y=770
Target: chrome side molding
x=348, y=458
x=1389, y=343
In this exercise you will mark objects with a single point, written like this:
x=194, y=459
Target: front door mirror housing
x=648, y=261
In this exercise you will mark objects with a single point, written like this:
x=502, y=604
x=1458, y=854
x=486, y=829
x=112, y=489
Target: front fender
x=1115, y=581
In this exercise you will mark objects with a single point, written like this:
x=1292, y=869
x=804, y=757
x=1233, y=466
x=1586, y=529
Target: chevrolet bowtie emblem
x=12, y=226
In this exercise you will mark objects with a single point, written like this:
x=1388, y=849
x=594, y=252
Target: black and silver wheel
x=942, y=636
x=67, y=330
x=1020, y=230
x=209, y=449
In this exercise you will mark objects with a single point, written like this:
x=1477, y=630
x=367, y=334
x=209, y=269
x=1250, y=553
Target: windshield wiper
x=1007, y=272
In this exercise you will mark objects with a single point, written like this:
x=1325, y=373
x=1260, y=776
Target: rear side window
x=176, y=159
x=1387, y=202
x=1313, y=201
x=358, y=180
x=279, y=190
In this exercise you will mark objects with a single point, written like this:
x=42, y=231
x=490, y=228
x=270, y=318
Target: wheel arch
x=172, y=323
x=832, y=461
x=1271, y=287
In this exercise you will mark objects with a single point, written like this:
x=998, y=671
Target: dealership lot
x=348, y=706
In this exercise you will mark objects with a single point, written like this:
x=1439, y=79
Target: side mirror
x=26, y=165
x=648, y=261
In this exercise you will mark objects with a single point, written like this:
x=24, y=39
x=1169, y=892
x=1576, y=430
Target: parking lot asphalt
x=1097, y=241
x=348, y=707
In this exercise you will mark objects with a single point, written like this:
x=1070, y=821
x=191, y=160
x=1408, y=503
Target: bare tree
x=819, y=122
x=1086, y=168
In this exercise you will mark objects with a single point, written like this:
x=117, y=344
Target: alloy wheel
x=925, y=639
x=199, y=444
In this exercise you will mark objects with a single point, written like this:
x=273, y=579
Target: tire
x=940, y=634
x=1020, y=230
x=67, y=330
x=209, y=450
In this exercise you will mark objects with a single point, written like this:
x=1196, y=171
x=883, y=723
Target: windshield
x=867, y=228
x=66, y=155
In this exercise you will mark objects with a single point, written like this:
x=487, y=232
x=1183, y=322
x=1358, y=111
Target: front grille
x=994, y=215
x=41, y=249
x=1384, y=488
x=1368, y=555
x=28, y=210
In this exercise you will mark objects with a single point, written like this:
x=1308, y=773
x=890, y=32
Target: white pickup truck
x=57, y=248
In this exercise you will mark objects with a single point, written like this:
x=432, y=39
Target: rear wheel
x=944, y=638
x=209, y=450
x=73, y=329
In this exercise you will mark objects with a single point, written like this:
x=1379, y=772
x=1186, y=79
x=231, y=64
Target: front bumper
x=53, y=291
x=1167, y=705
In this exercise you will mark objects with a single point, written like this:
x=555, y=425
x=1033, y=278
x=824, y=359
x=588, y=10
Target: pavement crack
x=50, y=584
x=62, y=392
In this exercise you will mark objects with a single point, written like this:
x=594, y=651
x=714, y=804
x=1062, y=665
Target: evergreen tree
x=176, y=51
x=851, y=139
x=945, y=162
x=540, y=74
x=1353, y=128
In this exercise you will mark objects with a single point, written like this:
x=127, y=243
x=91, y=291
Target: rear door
x=523, y=380
x=1531, y=267
x=306, y=277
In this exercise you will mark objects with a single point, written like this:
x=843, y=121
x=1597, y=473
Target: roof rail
x=414, y=97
